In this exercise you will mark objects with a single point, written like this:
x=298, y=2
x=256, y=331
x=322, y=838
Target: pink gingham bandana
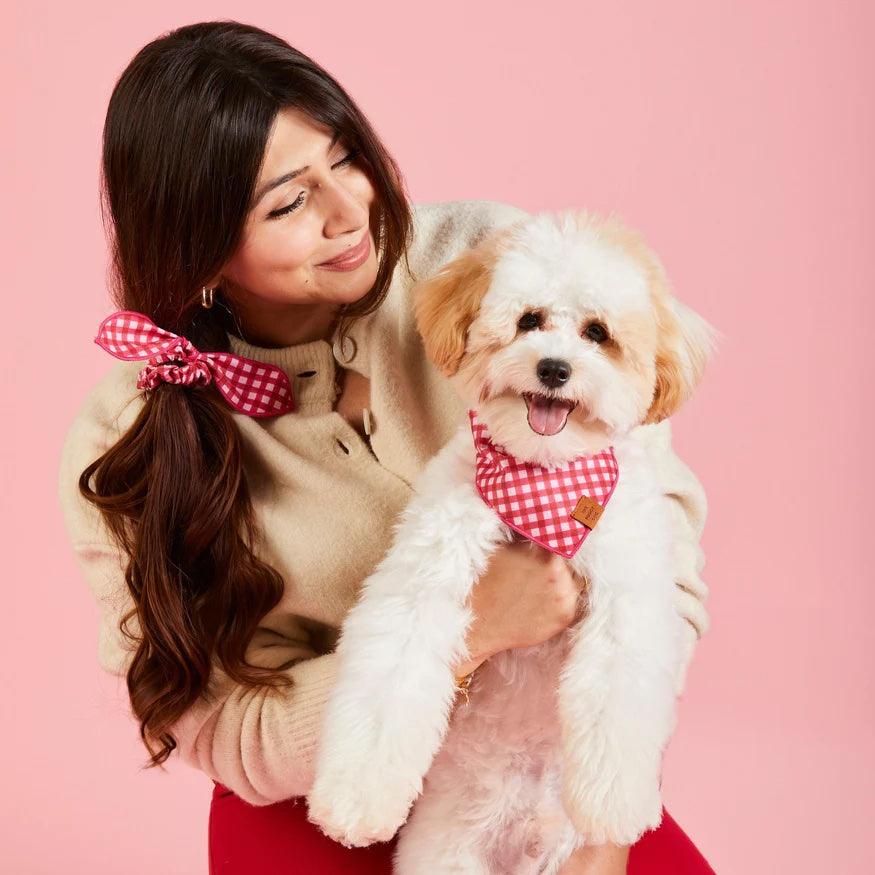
x=539, y=502
x=248, y=386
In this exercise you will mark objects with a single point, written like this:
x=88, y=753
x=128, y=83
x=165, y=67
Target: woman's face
x=312, y=206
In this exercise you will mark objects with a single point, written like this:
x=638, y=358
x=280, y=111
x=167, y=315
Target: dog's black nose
x=553, y=373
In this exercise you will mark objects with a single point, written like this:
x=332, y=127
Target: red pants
x=278, y=839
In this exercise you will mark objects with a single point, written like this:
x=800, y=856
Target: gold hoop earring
x=207, y=298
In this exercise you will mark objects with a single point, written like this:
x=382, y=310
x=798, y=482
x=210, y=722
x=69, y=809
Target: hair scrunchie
x=250, y=387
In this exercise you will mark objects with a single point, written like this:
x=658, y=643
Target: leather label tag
x=587, y=511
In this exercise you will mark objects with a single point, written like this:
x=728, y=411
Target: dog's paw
x=354, y=832
x=357, y=813
x=612, y=813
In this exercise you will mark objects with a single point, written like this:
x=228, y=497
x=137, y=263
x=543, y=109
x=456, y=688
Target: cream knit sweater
x=325, y=501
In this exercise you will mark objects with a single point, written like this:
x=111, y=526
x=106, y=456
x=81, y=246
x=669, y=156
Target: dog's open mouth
x=548, y=415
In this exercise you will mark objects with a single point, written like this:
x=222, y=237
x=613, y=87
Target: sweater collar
x=310, y=368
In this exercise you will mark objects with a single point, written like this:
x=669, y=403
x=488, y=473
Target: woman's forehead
x=296, y=142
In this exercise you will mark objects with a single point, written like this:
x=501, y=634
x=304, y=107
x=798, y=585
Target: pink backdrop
x=739, y=137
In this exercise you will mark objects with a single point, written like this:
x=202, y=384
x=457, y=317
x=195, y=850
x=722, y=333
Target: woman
x=255, y=212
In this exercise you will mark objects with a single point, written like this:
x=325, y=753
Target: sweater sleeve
x=688, y=508
x=97, y=426
x=258, y=741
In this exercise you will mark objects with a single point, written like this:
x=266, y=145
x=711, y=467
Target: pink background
x=739, y=137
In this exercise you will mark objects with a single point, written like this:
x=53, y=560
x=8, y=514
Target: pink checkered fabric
x=537, y=502
x=251, y=387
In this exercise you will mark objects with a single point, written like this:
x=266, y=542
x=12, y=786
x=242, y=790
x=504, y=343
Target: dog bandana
x=554, y=507
x=251, y=387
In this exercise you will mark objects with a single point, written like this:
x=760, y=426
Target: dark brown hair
x=185, y=135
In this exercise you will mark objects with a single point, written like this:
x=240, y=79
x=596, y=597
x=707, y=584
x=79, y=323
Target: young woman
x=254, y=212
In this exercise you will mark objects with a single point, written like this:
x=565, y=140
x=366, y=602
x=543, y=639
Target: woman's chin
x=351, y=287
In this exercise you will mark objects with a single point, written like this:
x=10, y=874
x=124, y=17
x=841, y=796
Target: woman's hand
x=597, y=860
x=526, y=596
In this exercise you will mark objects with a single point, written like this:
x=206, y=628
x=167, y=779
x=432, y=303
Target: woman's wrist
x=477, y=650
x=464, y=674
x=469, y=666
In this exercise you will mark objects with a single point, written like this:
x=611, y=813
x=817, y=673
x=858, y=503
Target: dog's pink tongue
x=547, y=415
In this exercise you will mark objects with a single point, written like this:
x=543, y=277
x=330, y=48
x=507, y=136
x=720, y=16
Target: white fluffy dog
x=561, y=335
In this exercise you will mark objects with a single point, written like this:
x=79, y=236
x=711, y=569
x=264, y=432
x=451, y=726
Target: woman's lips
x=352, y=258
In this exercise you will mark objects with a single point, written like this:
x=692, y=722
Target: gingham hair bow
x=554, y=507
x=248, y=386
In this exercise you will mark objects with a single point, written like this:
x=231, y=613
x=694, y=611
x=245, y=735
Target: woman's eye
x=596, y=332
x=529, y=321
x=348, y=159
x=284, y=211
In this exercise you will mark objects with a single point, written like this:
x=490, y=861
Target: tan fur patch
x=447, y=303
x=680, y=359
x=634, y=350
x=680, y=363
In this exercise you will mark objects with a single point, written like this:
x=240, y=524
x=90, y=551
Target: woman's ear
x=684, y=346
x=447, y=303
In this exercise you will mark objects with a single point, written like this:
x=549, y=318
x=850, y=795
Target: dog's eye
x=595, y=331
x=529, y=321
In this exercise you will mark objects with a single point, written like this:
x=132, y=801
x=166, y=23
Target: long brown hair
x=185, y=135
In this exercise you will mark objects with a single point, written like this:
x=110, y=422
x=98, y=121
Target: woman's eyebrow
x=286, y=177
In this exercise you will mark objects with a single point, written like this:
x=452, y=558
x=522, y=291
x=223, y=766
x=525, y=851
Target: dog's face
x=562, y=334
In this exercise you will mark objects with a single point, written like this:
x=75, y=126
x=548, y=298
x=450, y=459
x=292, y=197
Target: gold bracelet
x=463, y=685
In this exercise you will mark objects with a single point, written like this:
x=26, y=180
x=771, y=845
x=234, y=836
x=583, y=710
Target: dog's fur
x=562, y=743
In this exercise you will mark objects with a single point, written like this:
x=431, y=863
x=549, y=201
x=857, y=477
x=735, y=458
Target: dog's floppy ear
x=684, y=339
x=685, y=343
x=448, y=303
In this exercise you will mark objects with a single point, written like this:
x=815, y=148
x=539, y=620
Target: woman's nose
x=344, y=211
